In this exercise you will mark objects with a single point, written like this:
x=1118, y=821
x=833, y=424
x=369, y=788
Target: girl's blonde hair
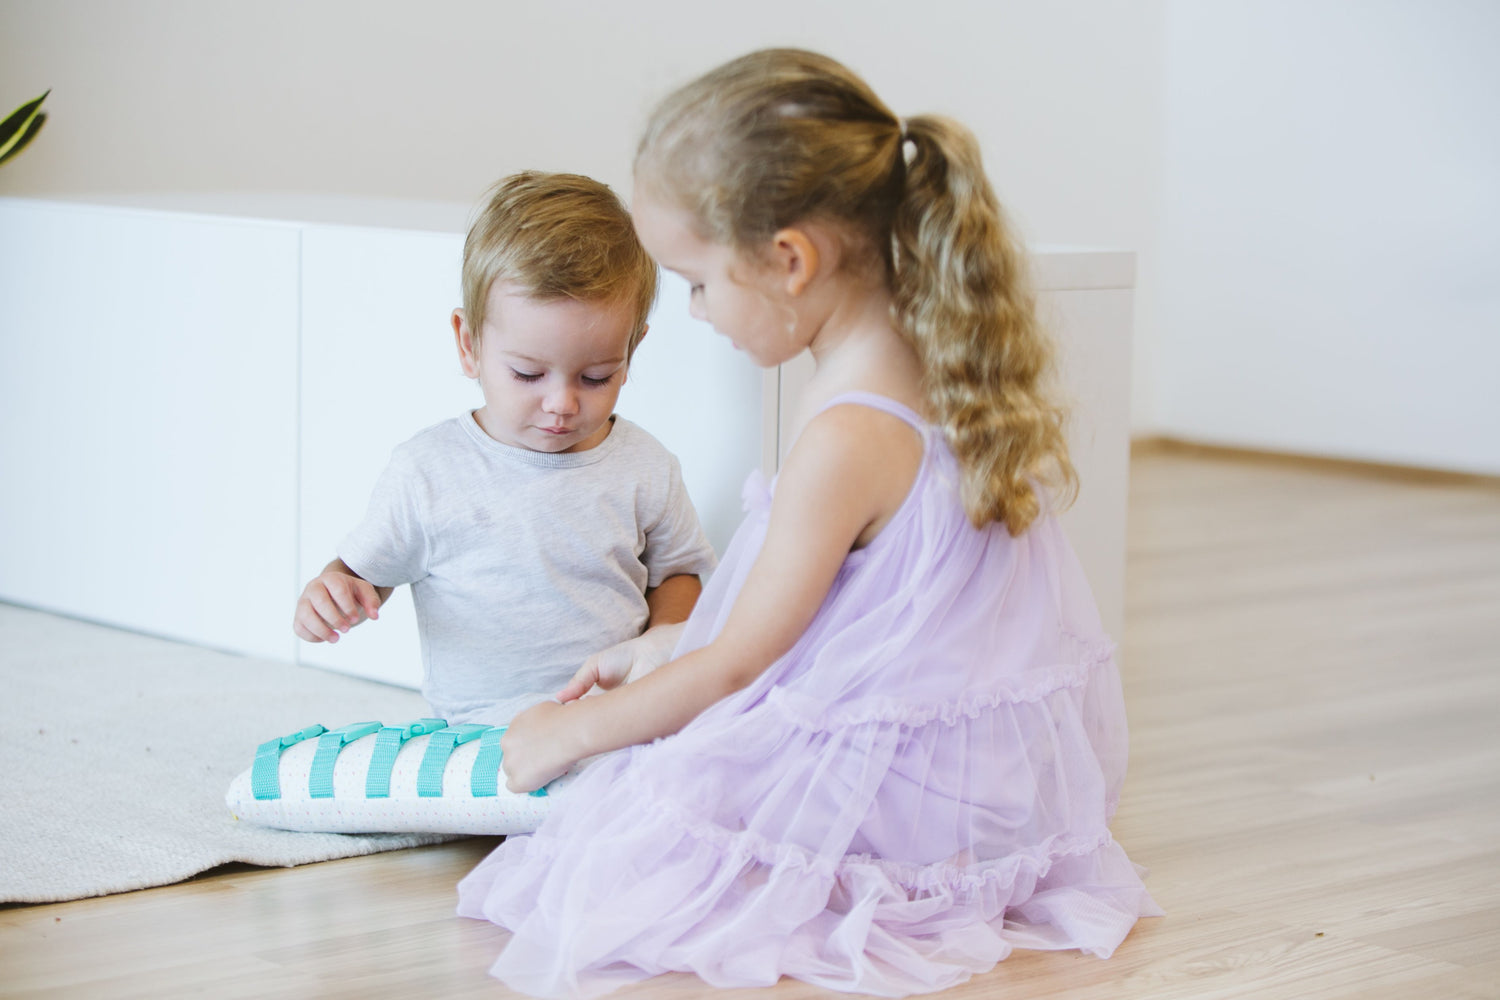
x=782, y=136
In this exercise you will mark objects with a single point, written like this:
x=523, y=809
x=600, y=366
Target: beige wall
x=1309, y=183
x=436, y=100
x=1331, y=233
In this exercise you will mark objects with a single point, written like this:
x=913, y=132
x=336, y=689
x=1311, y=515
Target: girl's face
x=739, y=299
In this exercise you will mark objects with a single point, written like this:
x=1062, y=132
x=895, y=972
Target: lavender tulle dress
x=921, y=784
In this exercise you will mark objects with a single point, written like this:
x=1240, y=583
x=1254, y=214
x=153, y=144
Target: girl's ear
x=795, y=258
x=468, y=344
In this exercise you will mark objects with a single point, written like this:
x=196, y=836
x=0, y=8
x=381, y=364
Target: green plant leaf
x=32, y=128
x=21, y=127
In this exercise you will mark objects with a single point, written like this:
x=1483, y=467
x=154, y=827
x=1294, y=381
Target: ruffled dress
x=921, y=784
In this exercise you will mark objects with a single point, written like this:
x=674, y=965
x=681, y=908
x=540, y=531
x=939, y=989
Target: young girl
x=892, y=740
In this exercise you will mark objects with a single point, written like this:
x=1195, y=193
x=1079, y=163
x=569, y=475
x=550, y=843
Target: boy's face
x=550, y=371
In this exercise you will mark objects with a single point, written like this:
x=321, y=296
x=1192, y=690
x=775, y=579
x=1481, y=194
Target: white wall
x=392, y=99
x=1330, y=254
x=1310, y=185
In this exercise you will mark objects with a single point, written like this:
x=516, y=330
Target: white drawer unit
x=198, y=392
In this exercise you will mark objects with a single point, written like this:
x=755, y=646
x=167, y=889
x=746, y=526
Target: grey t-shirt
x=523, y=563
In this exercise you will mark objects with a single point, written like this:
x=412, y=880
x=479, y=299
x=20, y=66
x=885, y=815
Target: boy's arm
x=335, y=601
x=668, y=607
x=672, y=601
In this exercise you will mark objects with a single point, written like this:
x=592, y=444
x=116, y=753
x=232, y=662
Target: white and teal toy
x=422, y=777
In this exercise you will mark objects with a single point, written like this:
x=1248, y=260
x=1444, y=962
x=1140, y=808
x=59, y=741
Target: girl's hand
x=626, y=661
x=538, y=746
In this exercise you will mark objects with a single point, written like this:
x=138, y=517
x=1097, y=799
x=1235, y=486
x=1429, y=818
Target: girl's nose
x=696, y=310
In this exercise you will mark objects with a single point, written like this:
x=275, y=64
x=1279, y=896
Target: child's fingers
x=518, y=758
x=346, y=596
x=305, y=634
x=586, y=677
x=368, y=599
x=309, y=626
x=323, y=604
x=572, y=691
x=612, y=666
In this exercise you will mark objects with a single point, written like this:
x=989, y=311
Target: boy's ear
x=796, y=259
x=468, y=345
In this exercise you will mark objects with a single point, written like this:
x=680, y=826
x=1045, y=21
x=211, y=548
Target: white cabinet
x=196, y=396
x=148, y=421
x=378, y=365
x=1087, y=299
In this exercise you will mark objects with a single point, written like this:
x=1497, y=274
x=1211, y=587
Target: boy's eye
x=520, y=376
x=589, y=380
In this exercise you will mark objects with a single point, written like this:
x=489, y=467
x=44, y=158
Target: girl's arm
x=850, y=469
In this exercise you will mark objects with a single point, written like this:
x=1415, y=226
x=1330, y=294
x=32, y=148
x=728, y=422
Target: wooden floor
x=1313, y=675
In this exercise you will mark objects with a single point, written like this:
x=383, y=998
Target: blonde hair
x=557, y=236
x=783, y=136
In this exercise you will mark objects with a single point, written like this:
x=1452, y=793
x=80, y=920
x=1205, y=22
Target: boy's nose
x=561, y=399
x=696, y=310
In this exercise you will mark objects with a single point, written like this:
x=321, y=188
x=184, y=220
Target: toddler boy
x=539, y=528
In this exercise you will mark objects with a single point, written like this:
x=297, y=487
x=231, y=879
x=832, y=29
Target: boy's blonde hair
x=780, y=137
x=557, y=236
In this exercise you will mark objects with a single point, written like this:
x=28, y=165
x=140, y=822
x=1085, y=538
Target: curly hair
x=782, y=136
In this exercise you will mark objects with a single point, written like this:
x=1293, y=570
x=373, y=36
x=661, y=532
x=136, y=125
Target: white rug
x=116, y=750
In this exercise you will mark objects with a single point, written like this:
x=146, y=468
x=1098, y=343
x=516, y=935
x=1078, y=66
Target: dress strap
x=876, y=401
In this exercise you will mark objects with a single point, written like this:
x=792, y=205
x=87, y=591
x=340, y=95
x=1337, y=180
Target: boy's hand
x=536, y=746
x=627, y=661
x=334, y=602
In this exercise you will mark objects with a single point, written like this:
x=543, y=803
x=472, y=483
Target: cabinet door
x=148, y=445
x=1093, y=333
x=378, y=365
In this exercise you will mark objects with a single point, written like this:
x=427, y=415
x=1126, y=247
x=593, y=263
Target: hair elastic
x=908, y=144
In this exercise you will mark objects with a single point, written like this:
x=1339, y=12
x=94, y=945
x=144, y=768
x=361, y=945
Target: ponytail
x=964, y=299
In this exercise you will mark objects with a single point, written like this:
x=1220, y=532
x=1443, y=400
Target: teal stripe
x=330, y=744
x=484, y=780
x=265, y=773
x=387, y=745
x=439, y=748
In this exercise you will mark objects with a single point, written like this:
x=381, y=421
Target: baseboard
x=1160, y=444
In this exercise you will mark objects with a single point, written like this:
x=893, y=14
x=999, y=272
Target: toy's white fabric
x=402, y=810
